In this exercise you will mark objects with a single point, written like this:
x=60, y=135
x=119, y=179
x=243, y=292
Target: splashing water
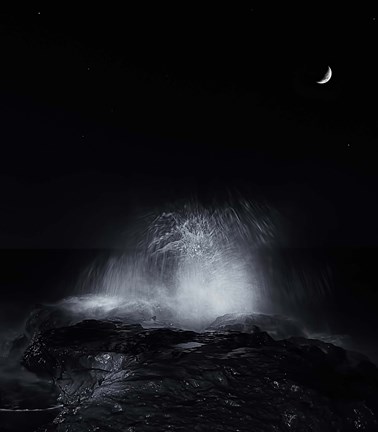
x=191, y=264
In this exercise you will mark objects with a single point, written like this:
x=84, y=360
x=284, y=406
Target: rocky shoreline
x=119, y=376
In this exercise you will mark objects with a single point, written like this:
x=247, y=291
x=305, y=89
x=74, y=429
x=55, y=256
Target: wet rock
x=45, y=317
x=279, y=327
x=114, y=376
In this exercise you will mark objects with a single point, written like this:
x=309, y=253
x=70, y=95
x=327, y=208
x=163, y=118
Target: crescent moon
x=326, y=77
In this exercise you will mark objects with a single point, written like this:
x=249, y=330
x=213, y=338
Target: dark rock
x=45, y=317
x=114, y=376
x=279, y=327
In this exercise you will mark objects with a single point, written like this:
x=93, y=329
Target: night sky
x=107, y=113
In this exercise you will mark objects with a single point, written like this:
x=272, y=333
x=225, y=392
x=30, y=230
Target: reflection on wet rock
x=114, y=376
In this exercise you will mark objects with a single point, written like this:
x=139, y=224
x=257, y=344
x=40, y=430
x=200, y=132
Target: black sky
x=107, y=112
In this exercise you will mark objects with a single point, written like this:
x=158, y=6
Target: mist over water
x=187, y=265
x=190, y=264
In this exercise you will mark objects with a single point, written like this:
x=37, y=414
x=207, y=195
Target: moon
x=326, y=77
